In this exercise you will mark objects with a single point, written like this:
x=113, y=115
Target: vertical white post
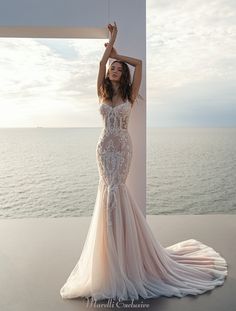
x=130, y=17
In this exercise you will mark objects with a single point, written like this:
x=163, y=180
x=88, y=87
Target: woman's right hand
x=113, y=32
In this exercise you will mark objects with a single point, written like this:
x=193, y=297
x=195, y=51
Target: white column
x=130, y=17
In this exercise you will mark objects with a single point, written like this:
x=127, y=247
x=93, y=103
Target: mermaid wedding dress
x=121, y=259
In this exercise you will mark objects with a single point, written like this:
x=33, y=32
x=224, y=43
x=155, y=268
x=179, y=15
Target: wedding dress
x=121, y=259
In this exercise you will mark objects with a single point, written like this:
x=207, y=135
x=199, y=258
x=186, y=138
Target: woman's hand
x=113, y=32
x=113, y=53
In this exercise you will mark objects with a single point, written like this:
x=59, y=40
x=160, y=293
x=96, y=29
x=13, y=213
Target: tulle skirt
x=122, y=260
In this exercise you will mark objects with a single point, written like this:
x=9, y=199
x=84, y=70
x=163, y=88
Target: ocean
x=52, y=172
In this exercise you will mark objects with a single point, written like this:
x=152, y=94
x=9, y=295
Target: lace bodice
x=115, y=118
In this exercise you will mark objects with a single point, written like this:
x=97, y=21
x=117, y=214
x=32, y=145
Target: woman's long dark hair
x=106, y=90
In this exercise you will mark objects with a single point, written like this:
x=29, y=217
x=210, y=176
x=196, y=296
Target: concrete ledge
x=53, y=32
x=36, y=256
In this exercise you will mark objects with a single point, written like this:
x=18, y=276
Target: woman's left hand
x=113, y=53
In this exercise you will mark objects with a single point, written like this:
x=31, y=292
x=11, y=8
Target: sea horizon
x=48, y=173
x=28, y=127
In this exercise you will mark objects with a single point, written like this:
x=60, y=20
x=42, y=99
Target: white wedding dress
x=121, y=259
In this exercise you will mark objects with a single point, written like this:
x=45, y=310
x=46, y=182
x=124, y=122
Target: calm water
x=53, y=172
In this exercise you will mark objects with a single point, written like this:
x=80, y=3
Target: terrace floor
x=37, y=255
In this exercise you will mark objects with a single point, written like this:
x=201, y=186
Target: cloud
x=190, y=43
x=188, y=40
x=48, y=77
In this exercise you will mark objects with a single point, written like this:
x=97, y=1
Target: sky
x=191, y=71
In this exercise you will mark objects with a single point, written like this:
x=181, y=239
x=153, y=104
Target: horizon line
x=72, y=127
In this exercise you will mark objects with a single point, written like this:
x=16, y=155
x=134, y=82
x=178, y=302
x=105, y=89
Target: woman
x=121, y=258
x=116, y=86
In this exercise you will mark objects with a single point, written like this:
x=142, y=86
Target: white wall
x=131, y=41
x=89, y=19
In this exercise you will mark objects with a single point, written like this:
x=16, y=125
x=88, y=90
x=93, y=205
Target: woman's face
x=115, y=72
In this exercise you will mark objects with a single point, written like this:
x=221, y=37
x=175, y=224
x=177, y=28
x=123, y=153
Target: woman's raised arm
x=137, y=77
x=102, y=65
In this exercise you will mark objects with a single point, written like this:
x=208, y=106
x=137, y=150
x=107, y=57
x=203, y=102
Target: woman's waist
x=116, y=123
x=115, y=131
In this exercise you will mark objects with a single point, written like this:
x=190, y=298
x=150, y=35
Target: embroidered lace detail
x=114, y=150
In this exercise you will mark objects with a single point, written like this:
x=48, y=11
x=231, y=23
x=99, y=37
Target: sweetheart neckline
x=115, y=105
